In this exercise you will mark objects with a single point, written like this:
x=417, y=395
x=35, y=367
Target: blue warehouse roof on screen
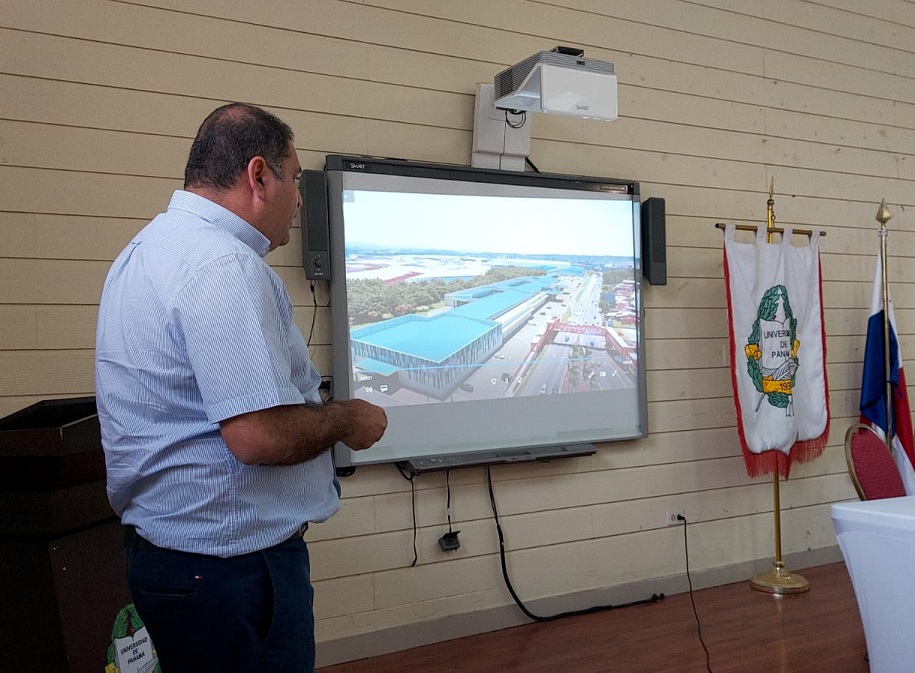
x=506, y=293
x=438, y=337
x=486, y=308
x=434, y=339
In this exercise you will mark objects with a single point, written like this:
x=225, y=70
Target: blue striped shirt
x=194, y=328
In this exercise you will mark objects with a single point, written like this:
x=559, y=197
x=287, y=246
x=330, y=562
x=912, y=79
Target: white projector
x=561, y=82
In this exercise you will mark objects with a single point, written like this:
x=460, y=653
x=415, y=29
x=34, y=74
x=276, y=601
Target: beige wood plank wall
x=98, y=103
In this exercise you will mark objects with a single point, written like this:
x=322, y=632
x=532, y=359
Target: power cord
x=314, y=314
x=409, y=477
x=516, y=124
x=449, y=541
x=514, y=595
x=448, y=502
x=708, y=664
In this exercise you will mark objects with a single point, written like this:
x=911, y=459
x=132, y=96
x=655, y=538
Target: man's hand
x=369, y=423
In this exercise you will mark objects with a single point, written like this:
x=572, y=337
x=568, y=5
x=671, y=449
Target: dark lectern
x=61, y=554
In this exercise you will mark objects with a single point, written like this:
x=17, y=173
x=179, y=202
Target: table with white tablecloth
x=877, y=539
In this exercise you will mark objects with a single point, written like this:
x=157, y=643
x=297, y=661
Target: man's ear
x=256, y=174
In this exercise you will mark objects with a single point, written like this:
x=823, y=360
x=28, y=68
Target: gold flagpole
x=883, y=216
x=777, y=580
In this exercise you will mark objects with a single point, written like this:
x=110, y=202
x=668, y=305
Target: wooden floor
x=746, y=631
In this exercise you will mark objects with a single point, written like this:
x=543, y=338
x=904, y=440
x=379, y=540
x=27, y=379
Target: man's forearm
x=291, y=434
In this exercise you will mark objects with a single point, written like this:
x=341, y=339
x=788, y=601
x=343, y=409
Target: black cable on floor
x=708, y=663
x=514, y=595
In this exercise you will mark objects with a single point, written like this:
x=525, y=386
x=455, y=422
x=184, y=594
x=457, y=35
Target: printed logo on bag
x=131, y=650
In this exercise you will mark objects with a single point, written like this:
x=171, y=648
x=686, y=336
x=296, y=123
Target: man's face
x=283, y=201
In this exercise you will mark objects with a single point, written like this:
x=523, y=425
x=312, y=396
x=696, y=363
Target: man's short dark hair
x=229, y=138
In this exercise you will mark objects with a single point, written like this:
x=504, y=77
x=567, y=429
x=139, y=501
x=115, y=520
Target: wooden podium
x=61, y=549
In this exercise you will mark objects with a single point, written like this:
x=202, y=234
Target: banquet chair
x=870, y=464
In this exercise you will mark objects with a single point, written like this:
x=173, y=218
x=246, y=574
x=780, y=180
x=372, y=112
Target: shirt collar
x=220, y=217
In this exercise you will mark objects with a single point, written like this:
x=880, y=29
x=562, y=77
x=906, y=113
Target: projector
x=561, y=81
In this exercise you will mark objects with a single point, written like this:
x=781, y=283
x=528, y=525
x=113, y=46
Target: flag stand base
x=777, y=580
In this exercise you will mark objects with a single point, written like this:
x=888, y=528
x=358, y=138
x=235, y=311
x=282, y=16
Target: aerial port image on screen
x=467, y=319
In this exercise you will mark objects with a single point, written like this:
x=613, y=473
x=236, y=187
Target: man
x=215, y=438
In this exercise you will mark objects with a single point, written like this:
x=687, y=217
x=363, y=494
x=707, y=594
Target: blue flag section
x=873, y=404
x=873, y=381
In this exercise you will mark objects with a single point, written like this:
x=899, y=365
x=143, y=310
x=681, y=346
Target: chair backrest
x=870, y=464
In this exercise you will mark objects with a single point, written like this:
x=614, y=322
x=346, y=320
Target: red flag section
x=873, y=385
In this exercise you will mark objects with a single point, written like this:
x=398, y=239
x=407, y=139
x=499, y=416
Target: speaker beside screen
x=654, y=241
x=315, y=233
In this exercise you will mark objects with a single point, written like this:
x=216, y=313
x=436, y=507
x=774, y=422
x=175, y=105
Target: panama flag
x=873, y=385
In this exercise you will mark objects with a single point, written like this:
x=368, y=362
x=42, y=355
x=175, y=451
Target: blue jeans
x=245, y=614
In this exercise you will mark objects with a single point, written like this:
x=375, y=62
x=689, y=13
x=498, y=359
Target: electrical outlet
x=675, y=517
x=449, y=541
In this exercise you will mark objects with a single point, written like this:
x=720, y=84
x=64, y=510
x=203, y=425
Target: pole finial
x=770, y=209
x=883, y=213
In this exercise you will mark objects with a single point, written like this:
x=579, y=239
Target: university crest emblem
x=772, y=348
